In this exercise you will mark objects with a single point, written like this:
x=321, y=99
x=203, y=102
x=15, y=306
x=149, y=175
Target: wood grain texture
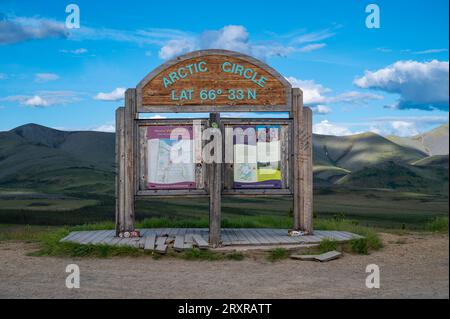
x=214, y=177
x=307, y=169
x=154, y=96
x=120, y=170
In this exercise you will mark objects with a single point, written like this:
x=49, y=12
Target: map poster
x=170, y=164
x=257, y=157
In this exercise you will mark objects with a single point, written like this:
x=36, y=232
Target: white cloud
x=76, y=51
x=316, y=36
x=421, y=85
x=19, y=29
x=314, y=94
x=321, y=109
x=177, y=47
x=36, y=101
x=354, y=97
x=403, y=128
x=325, y=127
x=312, y=47
x=44, y=98
x=45, y=77
x=116, y=95
x=108, y=128
x=157, y=117
x=237, y=38
x=430, y=51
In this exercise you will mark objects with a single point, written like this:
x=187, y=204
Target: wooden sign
x=214, y=81
x=211, y=80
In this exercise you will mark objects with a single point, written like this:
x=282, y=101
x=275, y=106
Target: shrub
x=360, y=246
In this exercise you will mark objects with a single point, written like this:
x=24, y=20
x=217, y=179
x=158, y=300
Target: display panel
x=170, y=157
x=257, y=158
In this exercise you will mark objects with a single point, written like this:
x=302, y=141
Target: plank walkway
x=185, y=238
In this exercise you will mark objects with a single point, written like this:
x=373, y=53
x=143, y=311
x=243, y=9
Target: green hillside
x=36, y=157
x=341, y=154
x=54, y=177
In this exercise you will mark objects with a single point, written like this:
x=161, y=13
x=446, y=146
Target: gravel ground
x=412, y=266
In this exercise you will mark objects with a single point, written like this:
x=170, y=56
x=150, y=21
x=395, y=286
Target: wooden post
x=302, y=166
x=120, y=169
x=307, y=171
x=125, y=146
x=215, y=193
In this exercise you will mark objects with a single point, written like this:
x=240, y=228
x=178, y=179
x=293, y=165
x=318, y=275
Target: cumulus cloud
x=177, y=47
x=45, y=77
x=405, y=125
x=325, y=127
x=237, y=38
x=315, y=94
x=19, y=29
x=115, y=95
x=44, y=98
x=36, y=101
x=321, y=109
x=421, y=85
x=108, y=128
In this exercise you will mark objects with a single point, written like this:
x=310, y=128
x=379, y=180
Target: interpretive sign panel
x=170, y=164
x=257, y=157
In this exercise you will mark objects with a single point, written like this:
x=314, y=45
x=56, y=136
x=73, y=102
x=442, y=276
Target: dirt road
x=412, y=266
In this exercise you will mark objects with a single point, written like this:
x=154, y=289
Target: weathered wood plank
x=200, y=242
x=214, y=178
x=307, y=170
x=178, y=245
x=149, y=244
x=161, y=246
x=130, y=127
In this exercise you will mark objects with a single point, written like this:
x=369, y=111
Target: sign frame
x=298, y=162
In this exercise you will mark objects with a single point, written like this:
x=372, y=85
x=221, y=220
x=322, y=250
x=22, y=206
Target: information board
x=170, y=164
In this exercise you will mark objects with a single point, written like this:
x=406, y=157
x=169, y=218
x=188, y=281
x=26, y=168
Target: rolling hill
x=53, y=161
x=37, y=157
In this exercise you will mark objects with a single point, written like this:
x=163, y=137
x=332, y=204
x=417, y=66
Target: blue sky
x=391, y=80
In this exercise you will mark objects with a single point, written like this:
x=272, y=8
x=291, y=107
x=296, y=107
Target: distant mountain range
x=48, y=160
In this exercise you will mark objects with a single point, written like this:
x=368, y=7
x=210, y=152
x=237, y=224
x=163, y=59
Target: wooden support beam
x=120, y=168
x=125, y=149
x=214, y=172
x=303, y=166
x=307, y=171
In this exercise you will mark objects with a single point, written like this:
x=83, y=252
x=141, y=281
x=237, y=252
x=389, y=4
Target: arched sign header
x=214, y=80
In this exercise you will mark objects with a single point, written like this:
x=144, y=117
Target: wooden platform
x=185, y=238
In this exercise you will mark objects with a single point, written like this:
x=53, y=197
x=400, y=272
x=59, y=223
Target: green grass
x=327, y=245
x=278, y=254
x=438, y=225
x=373, y=240
x=208, y=255
x=27, y=233
x=51, y=246
x=198, y=254
x=359, y=246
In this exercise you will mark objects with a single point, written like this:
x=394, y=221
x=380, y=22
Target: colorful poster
x=169, y=153
x=257, y=157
